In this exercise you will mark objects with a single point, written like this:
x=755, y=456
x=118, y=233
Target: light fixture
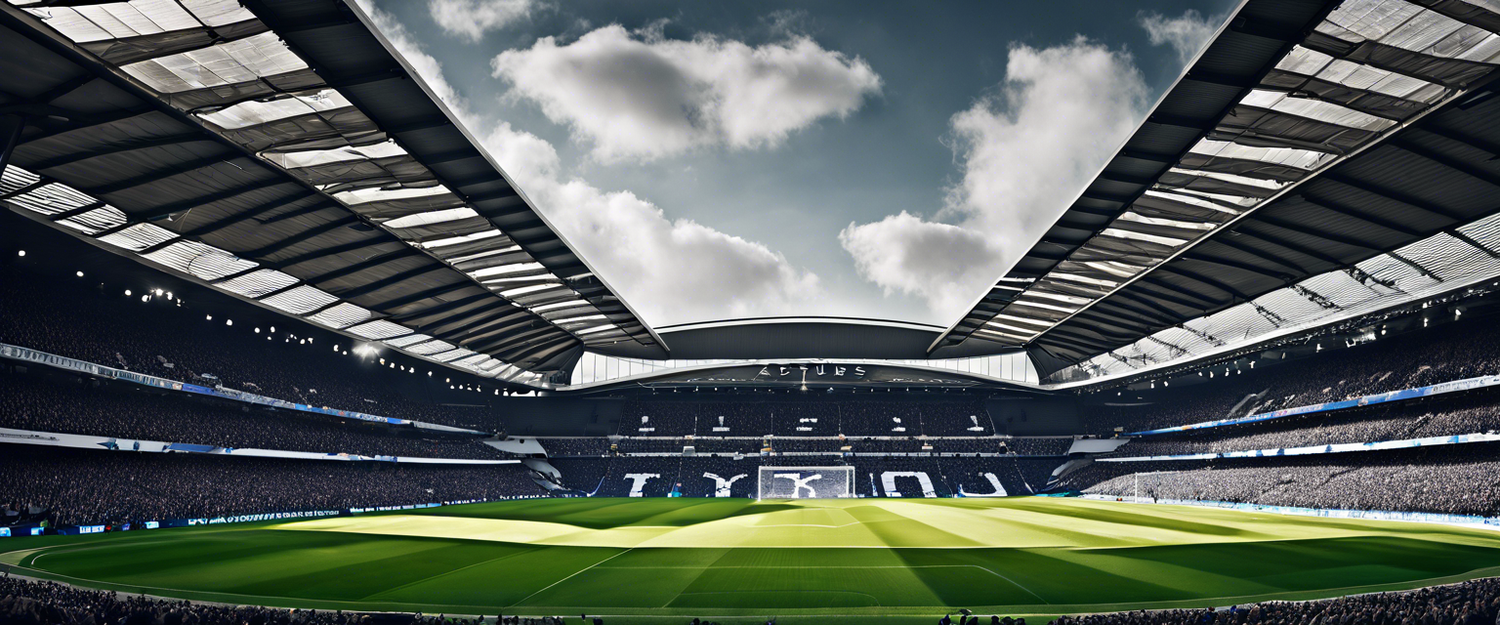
x=228, y=322
x=127, y=292
x=21, y=253
x=80, y=274
x=208, y=317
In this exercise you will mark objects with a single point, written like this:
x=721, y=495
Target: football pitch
x=720, y=558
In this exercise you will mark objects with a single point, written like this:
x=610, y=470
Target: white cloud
x=944, y=264
x=473, y=18
x=427, y=67
x=671, y=271
x=1186, y=33
x=1026, y=151
x=640, y=96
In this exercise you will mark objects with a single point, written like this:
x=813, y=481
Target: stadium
x=290, y=334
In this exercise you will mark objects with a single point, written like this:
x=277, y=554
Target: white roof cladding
x=340, y=160
x=1295, y=146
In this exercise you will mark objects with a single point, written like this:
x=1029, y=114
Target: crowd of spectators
x=1451, y=479
x=34, y=602
x=55, y=404
x=854, y=417
x=628, y=445
x=90, y=487
x=1469, y=603
x=165, y=338
x=1452, y=351
x=607, y=477
x=1472, y=414
x=1477, y=602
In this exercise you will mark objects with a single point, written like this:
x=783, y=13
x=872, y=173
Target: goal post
x=804, y=482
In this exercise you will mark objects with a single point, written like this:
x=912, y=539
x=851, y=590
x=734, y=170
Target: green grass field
x=718, y=558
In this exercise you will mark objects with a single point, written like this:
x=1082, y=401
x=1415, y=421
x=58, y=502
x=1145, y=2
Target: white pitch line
x=549, y=586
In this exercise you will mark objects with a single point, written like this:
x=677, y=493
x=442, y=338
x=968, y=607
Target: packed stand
x=91, y=487
x=1450, y=479
x=1452, y=351
x=1469, y=603
x=1473, y=414
x=34, y=602
x=166, y=339
x=128, y=411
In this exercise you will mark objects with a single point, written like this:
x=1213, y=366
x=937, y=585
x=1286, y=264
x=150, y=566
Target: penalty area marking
x=575, y=573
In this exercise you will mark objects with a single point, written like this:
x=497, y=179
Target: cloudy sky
x=718, y=160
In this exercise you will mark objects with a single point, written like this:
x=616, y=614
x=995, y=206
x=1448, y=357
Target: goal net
x=805, y=482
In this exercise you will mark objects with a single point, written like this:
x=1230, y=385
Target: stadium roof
x=280, y=151
x=1313, y=159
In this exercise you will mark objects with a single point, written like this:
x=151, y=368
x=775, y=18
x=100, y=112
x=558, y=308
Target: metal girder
x=316, y=231
x=11, y=126
x=1204, y=301
x=1469, y=240
x=1433, y=127
x=391, y=280
x=85, y=122
x=373, y=261
x=546, y=348
x=164, y=210
x=1228, y=241
x=1196, y=277
x=230, y=220
x=127, y=145
x=1281, y=242
x=1151, y=315
x=1462, y=167
x=421, y=295
x=1391, y=194
x=95, y=205
x=1414, y=265
x=1166, y=313
x=1319, y=233
x=444, y=307
x=159, y=174
x=1234, y=264
x=1350, y=212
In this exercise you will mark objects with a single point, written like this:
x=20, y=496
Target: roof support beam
x=95, y=205
x=1244, y=230
x=1454, y=164
x=317, y=231
x=1197, y=277
x=165, y=210
x=1414, y=265
x=373, y=261
x=1234, y=264
x=1228, y=241
x=444, y=307
x=419, y=296
x=240, y=216
x=1469, y=240
x=391, y=280
x=158, y=174
x=1318, y=233
x=1375, y=188
x=11, y=126
x=121, y=147
x=1203, y=301
x=1350, y=212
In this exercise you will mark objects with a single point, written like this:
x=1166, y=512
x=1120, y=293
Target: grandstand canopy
x=280, y=151
x=1317, y=158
